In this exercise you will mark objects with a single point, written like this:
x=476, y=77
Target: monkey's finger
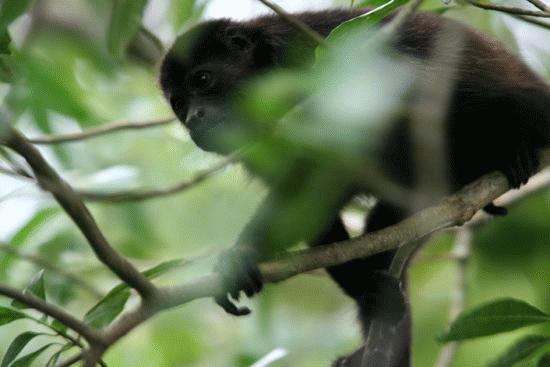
x=230, y=307
x=252, y=278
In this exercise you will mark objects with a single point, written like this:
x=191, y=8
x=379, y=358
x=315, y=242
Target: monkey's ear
x=255, y=42
x=265, y=52
x=238, y=40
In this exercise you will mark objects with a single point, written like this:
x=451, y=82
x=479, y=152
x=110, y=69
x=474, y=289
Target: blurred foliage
x=71, y=65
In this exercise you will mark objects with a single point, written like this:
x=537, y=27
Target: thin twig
x=297, y=23
x=147, y=194
x=100, y=130
x=540, y=4
x=69, y=362
x=29, y=299
x=50, y=180
x=461, y=252
x=509, y=9
x=14, y=165
x=535, y=21
x=155, y=40
x=54, y=268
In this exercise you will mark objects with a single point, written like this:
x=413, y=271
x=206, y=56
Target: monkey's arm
x=297, y=209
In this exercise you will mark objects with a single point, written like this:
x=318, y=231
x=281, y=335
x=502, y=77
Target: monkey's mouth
x=214, y=137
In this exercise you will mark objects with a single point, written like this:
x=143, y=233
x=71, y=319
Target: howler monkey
x=497, y=118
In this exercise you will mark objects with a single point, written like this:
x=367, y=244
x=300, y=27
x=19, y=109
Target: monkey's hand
x=239, y=271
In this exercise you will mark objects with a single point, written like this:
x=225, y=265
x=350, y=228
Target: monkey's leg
x=377, y=295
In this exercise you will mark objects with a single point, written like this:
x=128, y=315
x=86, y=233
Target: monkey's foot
x=495, y=210
x=524, y=165
x=239, y=271
x=352, y=360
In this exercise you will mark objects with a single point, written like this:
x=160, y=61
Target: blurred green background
x=70, y=71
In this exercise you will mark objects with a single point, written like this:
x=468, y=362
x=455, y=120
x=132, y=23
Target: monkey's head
x=204, y=71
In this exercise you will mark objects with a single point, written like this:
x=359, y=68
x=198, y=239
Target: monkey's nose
x=195, y=116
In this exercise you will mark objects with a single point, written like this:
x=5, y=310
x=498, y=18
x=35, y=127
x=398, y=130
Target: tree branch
x=72, y=360
x=509, y=9
x=534, y=21
x=29, y=299
x=46, y=264
x=296, y=23
x=100, y=130
x=539, y=4
x=461, y=252
x=147, y=194
x=50, y=181
x=451, y=211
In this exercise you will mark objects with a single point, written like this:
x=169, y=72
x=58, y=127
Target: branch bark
x=29, y=299
x=50, y=180
x=147, y=194
x=100, y=130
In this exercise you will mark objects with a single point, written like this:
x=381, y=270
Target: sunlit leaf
x=36, y=287
x=8, y=315
x=17, y=346
x=27, y=360
x=125, y=23
x=493, y=318
x=521, y=350
x=366, y=21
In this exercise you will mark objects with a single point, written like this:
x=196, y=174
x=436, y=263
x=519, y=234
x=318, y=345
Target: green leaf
x=11, y=10
x=107, y=309
x=163, y=268
x=6, y=72
x=371, y=3
x=36, y=287
x=40, y=219
x=55, y=324
x=521, y=350
x=544, y=361
x=55, y=356
x=125, y=23
x=8, y=315
x=17, y=346
x=493, y=318
x=366, y=21
x=27, y=360
x=5, y=41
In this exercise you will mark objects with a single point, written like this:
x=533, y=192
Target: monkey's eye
x=201, y=80
x=178, y=104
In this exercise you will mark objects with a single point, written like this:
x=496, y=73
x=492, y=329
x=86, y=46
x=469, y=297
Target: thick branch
x=453, y=210
x=50, y=180
x=100, y=130
x=91, y=335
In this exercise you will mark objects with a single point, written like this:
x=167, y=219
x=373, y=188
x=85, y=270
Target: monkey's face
x=202, y=74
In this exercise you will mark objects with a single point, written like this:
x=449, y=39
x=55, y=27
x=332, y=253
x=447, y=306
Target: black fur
x=499, y=115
